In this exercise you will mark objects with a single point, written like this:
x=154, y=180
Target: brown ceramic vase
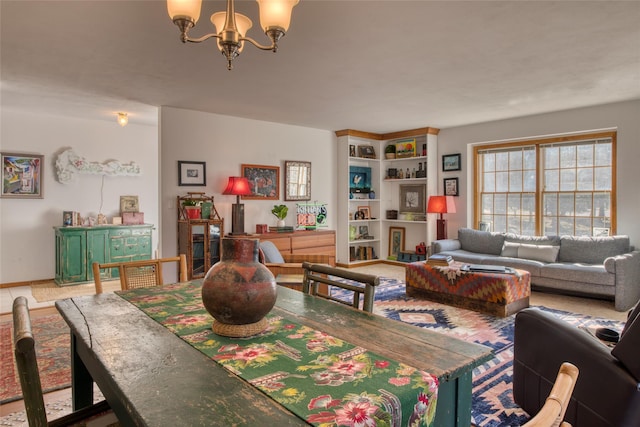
x=239, y=291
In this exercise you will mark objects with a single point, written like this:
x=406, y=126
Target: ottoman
x=499, y=294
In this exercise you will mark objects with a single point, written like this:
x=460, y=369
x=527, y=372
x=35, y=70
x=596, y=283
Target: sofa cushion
x=466, y=256
x=591, y=250
x=482, y=242
x=582, y=273
x=533, y=240
x=529, y=265
x=544, y=253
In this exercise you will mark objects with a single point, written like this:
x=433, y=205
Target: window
x=552, y=186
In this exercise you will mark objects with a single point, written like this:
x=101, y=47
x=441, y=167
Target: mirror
x=297, y=180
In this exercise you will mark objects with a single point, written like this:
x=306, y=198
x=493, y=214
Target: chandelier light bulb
x=123, y=119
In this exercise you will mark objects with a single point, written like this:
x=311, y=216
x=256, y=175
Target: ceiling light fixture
x=231, y=27
x=123, y=119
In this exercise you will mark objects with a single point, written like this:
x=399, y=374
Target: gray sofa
x=603, y=267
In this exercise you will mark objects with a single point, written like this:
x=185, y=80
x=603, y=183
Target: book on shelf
x=285, y=229
x=440, y=260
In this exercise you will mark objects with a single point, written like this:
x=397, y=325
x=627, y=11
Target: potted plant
x=390, y=151
x=191, y=209
x=280, y=212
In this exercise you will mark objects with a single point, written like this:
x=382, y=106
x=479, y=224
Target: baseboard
x=26, y=283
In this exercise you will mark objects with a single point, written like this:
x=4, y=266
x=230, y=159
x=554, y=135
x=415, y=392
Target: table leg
x=81, y=381
x=454, y=402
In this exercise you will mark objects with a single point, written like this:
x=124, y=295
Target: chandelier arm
x=201, y=39
x=273, y=46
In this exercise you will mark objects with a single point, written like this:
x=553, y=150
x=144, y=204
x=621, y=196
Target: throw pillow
x=543, y=253
x=510, y=249
x=271, y=253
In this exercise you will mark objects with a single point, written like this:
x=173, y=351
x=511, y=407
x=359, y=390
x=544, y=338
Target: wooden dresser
x=320, y=242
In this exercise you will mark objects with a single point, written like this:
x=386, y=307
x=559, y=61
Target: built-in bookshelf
x=377, y=195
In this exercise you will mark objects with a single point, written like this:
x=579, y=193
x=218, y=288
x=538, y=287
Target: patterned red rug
x=52, y=348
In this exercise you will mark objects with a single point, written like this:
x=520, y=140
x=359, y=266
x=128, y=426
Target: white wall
x=225, y=143
x=624, y=116
x=26, y=225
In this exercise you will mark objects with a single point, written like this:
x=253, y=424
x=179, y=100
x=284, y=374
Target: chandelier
x=231, y=28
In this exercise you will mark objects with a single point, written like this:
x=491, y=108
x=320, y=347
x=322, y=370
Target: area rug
x=492, y=399
x=52, y=349
x=52, y=292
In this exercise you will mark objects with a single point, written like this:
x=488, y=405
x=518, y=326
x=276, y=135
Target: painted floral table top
x=324, y=380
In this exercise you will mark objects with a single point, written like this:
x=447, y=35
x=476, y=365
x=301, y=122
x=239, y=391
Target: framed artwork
x=396, y=241
x=359, y=179
x=451, y=162
x=451, y=187
x=363, y=231
x=192, y=173
x=366, y=151
x=406, y=148
x=129, y=204
x=22, y=176
x=352, y=150
x=365, y=213
x=264, y=182
x=412, y=198
x=297, y=180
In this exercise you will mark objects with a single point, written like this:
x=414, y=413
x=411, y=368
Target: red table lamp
x=237, y=186
x=441, y=205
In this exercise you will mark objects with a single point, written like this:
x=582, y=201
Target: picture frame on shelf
x=451, y=162
x=264, y=182
x=601, y=231
x=363, y=231
x=192, y=173
x=129, y=204
x=22, y=176
x=412, y=198
x=396, y=241
x=359, y=179
x=366, y=151
x=365, y=212
x=484, y=226
x=405, y=148
x=451, y=187
x=352, y=150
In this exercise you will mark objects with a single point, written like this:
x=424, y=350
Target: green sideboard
x=77, y=248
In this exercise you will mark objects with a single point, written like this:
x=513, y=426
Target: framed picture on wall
x=192, y=173
x=451, y=187
x=451, y=162
x=22, y=176
x=264, y=182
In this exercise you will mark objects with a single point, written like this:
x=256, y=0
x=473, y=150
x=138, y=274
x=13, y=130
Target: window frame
x=538, y=142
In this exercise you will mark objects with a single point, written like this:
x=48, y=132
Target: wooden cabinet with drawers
x=77, y=248
x=320, y=242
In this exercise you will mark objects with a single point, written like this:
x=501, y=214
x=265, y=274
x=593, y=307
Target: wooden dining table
x=151, y=377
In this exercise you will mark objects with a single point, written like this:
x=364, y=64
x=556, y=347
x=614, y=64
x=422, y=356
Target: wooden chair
x=552, y=412
x=140, y=274
x=25, y=353
x=315, y=274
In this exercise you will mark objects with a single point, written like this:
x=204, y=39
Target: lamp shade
x=276, y=13
x=237, y=186
x=242, y=22
x=441, y=205
x=184, y=8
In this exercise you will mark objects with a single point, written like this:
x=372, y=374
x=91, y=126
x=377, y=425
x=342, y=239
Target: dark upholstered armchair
x=607, y=392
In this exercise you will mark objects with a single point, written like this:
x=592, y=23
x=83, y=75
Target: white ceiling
x=377, y=66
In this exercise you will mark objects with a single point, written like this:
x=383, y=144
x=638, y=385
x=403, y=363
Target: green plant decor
x=280, y=211
x=391, y=148
x=189, y=203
